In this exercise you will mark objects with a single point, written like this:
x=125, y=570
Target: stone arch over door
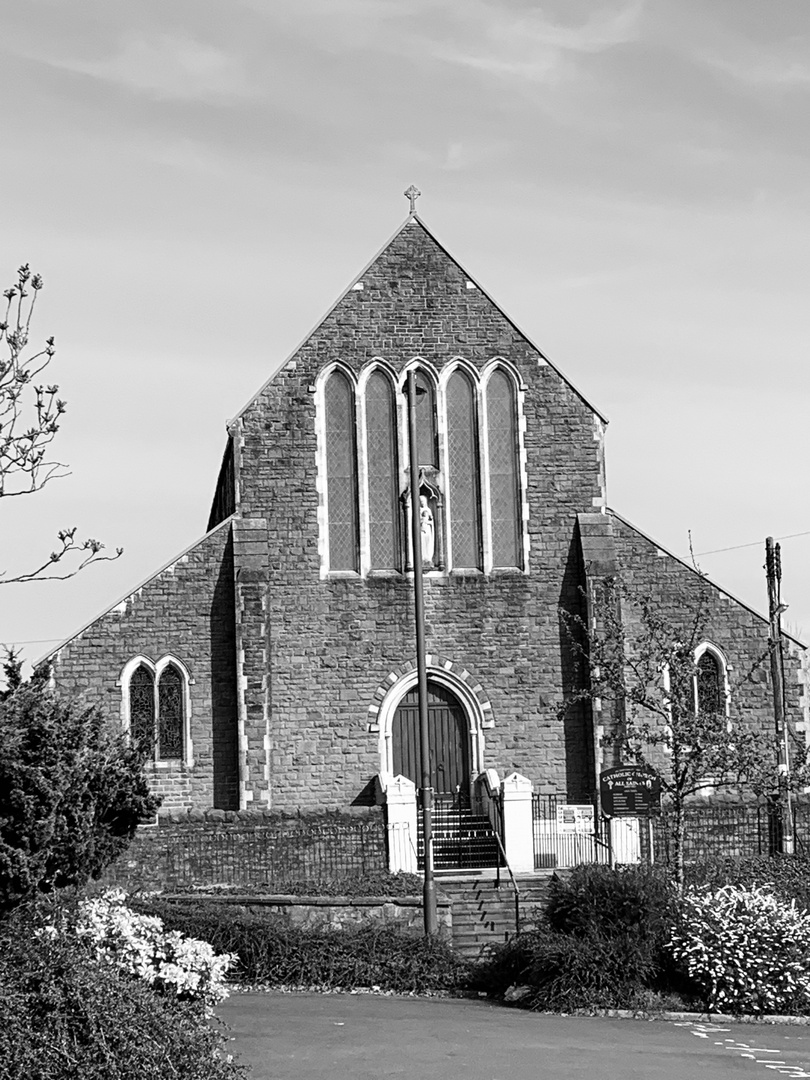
x=471, y=708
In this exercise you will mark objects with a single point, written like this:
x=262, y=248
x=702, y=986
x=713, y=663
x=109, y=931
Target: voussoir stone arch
x=458, y=680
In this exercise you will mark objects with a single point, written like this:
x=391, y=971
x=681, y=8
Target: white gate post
x=518, y=825
x=400, y=801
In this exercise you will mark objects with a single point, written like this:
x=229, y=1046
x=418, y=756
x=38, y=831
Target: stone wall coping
x=287, y=900
x=348, y=815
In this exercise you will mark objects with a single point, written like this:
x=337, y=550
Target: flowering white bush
x=746, y=948
x=139, y=944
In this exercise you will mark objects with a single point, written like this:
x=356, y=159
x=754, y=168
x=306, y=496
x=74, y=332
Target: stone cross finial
x=412, y=193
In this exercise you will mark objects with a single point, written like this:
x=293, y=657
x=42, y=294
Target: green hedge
x=271, y=952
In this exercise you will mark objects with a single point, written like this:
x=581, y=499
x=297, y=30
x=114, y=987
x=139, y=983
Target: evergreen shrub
x=599, y=943
x=272, y=952
x=72, y=794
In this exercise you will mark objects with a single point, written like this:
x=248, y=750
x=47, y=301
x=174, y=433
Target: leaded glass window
x=426, y=442
x=709, y=683
x=503, y=471
x=142, y=708
x=462, y=459
x=341, y=473
x=157, y=711
x=383, y=507
x=170, y=714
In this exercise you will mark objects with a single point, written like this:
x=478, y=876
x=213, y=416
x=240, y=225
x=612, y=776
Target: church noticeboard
x=630, y=791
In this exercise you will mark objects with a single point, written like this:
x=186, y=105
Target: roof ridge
x=121, y=600
x=699, y=573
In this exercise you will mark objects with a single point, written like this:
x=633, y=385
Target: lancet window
x=710, y=681
x=341, y=473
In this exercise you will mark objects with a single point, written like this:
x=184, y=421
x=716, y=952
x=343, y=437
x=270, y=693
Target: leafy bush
x=271, y=952
x=596, y=899
x=600, y=943
x=68, y=1014
x=746, y=948
x=71, y=794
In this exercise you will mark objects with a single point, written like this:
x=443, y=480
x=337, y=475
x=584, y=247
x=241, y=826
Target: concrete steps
x=484, y=914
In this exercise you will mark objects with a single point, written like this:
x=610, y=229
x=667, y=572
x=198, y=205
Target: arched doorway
x=449, y=740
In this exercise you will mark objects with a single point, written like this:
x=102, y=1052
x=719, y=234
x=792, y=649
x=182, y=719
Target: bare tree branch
x=30, y=413
x=89, y=552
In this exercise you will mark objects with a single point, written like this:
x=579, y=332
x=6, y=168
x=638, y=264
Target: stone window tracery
x=463, y=482
x=155, y=708
x=471, y=478
x=504, y=492
x=341, y=473
x=382, y=469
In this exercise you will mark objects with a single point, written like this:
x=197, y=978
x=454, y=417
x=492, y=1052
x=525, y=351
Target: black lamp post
x=429, y=888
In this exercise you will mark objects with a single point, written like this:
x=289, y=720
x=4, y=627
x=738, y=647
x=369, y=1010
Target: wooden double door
x=449, y=741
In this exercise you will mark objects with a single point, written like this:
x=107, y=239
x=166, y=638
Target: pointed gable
x=415, y=299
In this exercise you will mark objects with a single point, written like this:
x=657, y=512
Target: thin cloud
x=168, y=66
x=530, y=45
x=760, y=72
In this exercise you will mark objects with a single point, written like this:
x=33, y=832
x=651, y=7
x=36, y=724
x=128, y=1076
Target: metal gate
x=463, y=836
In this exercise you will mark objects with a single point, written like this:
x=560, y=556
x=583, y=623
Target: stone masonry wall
x=333, y=642
x=186, y=610
x=738, y=632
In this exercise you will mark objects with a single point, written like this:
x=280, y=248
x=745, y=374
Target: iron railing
x=717, y=830
x=562, y=838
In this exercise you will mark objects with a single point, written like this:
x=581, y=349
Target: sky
x=198, y=180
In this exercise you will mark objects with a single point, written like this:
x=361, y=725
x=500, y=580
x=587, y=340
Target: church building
x=273, y=663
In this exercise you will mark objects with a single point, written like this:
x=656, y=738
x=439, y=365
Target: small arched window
x=341, y=474
x=381, y=453
x=504, y=488
x=155, y=709
x=462, y=459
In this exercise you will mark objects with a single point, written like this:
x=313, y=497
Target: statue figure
x=427, y=529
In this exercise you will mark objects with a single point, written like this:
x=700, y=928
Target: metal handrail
x=497, y=802
x=512, y=876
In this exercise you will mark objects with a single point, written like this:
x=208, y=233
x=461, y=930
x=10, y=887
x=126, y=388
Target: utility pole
x=429, y=888
x=773, y=571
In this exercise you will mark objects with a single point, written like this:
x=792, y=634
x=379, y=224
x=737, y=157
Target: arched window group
x=155, y=708
x=467, y=456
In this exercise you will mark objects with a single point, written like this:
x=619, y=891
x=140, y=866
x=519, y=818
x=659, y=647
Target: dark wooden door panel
x=448, y=736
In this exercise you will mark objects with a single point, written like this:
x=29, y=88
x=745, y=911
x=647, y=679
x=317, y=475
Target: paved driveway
x=360, y=1037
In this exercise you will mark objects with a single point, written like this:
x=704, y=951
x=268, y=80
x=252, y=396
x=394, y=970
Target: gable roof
x=699, y=574
x=411, y=220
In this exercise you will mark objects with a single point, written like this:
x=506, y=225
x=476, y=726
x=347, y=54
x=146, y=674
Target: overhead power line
x=754, y=543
